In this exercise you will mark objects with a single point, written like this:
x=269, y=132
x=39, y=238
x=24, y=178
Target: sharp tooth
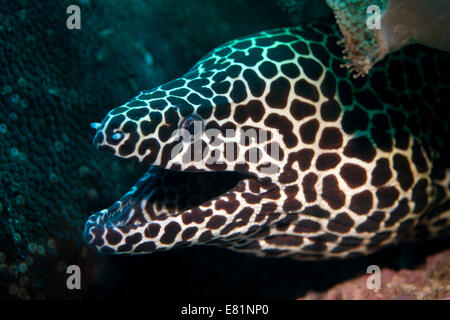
x=95, y=125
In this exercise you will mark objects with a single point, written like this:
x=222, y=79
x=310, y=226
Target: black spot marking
x=148, y=246
x=253, y=109
x=221, y=87
x=280, y=53
x=404, y=174
x=184, y=106
x=331, y=138
x=361, y=202
x=420, y=195
x=204, y=112
x=368, y=100
x=360, y=148
x=159, y=104
x=418, y=158
x=306, y=90
x=285, y=240
x=308, y=131
x=113, y=237
x=301, y=110
x=152, y=230
x=372, y=222
x=326, y=237
x=223, y=52
x=290, y=70
x=254, y=82
x=307, y=226
x=268, y=69
x=345, y=91
x=328, y=85
x=233, y=71
x=170, y=232
x=222, y=108
x=264, y=42
x=300, y=47
x=381, y=174
x=354, y=120
x=353, y=175
x=316, y=211
x=346, y=244
x=216, y=221
x=342, y=223
x=138, y=113
x=138, y=103
x=243, y=45
x=205, y=236
x=308, y=184
x=188, y=233
x=378, y=238
x=279, y=93
x=118, y=110
x=330, y=110
x=316, y=247
x=179, y=92
x=239, y=92
x=153, y=146
x=241, y=219
x=149, y=127
x=331, y=192
x=327, y=161
x=284, y=126
x=130, y=144
x=387, y=196
x=399, y=212
x=311, y=68
x=380, y=134
x=304, y=158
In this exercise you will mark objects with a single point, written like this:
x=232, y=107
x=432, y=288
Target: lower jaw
x=172, y=192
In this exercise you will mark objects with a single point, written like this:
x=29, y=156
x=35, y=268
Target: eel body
x=338, y=166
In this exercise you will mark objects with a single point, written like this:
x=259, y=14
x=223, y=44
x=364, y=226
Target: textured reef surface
x=54, y=82
x=428, y=281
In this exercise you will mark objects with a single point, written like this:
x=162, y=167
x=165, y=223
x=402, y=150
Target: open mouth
x=161, y=193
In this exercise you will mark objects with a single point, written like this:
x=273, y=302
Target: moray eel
x=339, y=166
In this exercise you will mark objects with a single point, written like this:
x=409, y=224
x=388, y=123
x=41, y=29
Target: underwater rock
x=428, y=281
x=401, y=22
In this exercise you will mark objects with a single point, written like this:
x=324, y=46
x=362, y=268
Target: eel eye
x=192, y=126
x=117, y=136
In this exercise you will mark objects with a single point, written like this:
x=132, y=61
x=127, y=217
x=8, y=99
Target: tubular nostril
x=95, y=125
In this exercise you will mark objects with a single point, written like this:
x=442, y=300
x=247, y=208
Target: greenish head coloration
x=268, y=146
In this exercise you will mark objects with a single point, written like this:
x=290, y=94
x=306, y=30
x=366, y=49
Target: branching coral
x=363, y=46
x=402, y=22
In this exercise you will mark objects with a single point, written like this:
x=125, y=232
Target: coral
x=429, y=281
x=416, y=21
x=363, y=46
x=402, y=22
